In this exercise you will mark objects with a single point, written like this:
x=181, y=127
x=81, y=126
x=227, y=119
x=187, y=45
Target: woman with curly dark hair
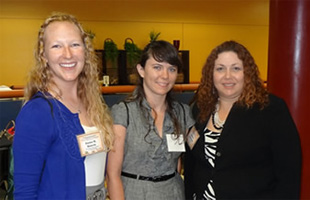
x=245, y=144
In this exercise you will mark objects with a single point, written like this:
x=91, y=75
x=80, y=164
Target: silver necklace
x=218, y=124
x=75, y=108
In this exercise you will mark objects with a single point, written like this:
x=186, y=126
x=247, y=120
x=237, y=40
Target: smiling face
x=158, y=77
x=64, y=52
x=228, y=75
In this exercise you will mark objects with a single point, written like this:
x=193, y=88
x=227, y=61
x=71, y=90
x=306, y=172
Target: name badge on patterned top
x=90, y=143
x=175, y=144
x=192, y=137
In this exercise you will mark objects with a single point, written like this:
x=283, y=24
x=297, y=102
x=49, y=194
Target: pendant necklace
x=75, y=108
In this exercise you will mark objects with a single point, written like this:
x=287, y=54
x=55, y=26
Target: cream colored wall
x=17, y=39
x=200, y=25
x=255, y=38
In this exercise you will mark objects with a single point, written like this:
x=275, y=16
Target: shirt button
x=218, y=154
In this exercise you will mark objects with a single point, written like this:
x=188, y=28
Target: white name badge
x=175, y=144
x=90, y=143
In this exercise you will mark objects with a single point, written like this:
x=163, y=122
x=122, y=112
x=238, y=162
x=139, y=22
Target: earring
x=213, y=90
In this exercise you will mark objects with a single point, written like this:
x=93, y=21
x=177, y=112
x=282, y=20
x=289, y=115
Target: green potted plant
x=110, y=52
x=154, y=36
x=133, y=52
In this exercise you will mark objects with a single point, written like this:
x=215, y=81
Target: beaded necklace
x=218, y=124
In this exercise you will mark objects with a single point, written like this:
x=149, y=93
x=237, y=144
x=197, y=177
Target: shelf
x=123, y=74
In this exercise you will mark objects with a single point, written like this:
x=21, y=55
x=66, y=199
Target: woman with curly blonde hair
x=64, y=130
x=245, y=144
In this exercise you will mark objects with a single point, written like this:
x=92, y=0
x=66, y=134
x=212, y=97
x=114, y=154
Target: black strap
x=127, y=112
x=184, y=117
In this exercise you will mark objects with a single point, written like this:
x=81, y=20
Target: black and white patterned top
x=211, y=139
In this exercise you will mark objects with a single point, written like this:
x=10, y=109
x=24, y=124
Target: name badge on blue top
x=90, y=143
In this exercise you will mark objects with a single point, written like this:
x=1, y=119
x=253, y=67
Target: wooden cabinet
x=122, y=74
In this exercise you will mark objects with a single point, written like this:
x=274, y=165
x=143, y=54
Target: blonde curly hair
x=40, y=79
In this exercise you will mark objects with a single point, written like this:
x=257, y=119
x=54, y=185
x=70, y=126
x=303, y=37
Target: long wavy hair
x=40, y=79
x=253, y=92
x=161, y=51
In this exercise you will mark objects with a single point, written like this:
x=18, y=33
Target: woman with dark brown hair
x=149, y=127
x=245, y=144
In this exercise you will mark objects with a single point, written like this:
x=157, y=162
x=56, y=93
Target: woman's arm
x=115, y=162
x=32, y=141
x=179, y=167
x=286, y=151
